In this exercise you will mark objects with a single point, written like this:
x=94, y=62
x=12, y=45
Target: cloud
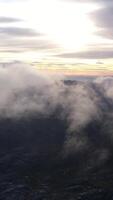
x=24, y=45
x=16, y=39
x=103, y=2
x=18, y=32
x=95, y=54
x=103, y=19
x=99, y=63
x=12, y=1
x=106, y=83
x=26, y=92
x=8, y=19
x=30, y=90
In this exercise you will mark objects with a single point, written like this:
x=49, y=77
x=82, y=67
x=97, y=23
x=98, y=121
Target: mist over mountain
x=52, y=132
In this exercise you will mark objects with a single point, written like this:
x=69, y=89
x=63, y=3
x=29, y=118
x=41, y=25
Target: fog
x=26, y=92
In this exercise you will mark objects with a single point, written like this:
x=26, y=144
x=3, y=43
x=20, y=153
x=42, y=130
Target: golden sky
x=67, y=36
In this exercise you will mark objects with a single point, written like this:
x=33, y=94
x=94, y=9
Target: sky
x=74, y=37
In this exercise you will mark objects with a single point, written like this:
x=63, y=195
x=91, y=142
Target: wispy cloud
x=95, y=54
x=11, y=1
x=89, y=1
x=4, y=19
x=24, y=45
x=18, y=31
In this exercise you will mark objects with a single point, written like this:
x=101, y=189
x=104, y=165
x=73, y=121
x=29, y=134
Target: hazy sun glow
x=65, y=24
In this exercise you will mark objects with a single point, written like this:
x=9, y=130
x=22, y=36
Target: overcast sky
x=77, y=34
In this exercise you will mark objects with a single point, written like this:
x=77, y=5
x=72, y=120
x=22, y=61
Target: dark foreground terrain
x=32, y=165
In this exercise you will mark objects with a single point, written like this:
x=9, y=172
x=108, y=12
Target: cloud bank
x=26, y=93
x=25, y=89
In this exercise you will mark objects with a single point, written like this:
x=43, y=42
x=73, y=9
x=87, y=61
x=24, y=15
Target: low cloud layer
x=24, y=89
x=25, y=92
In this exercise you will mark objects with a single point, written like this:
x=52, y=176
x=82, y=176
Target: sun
x=66, y=24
